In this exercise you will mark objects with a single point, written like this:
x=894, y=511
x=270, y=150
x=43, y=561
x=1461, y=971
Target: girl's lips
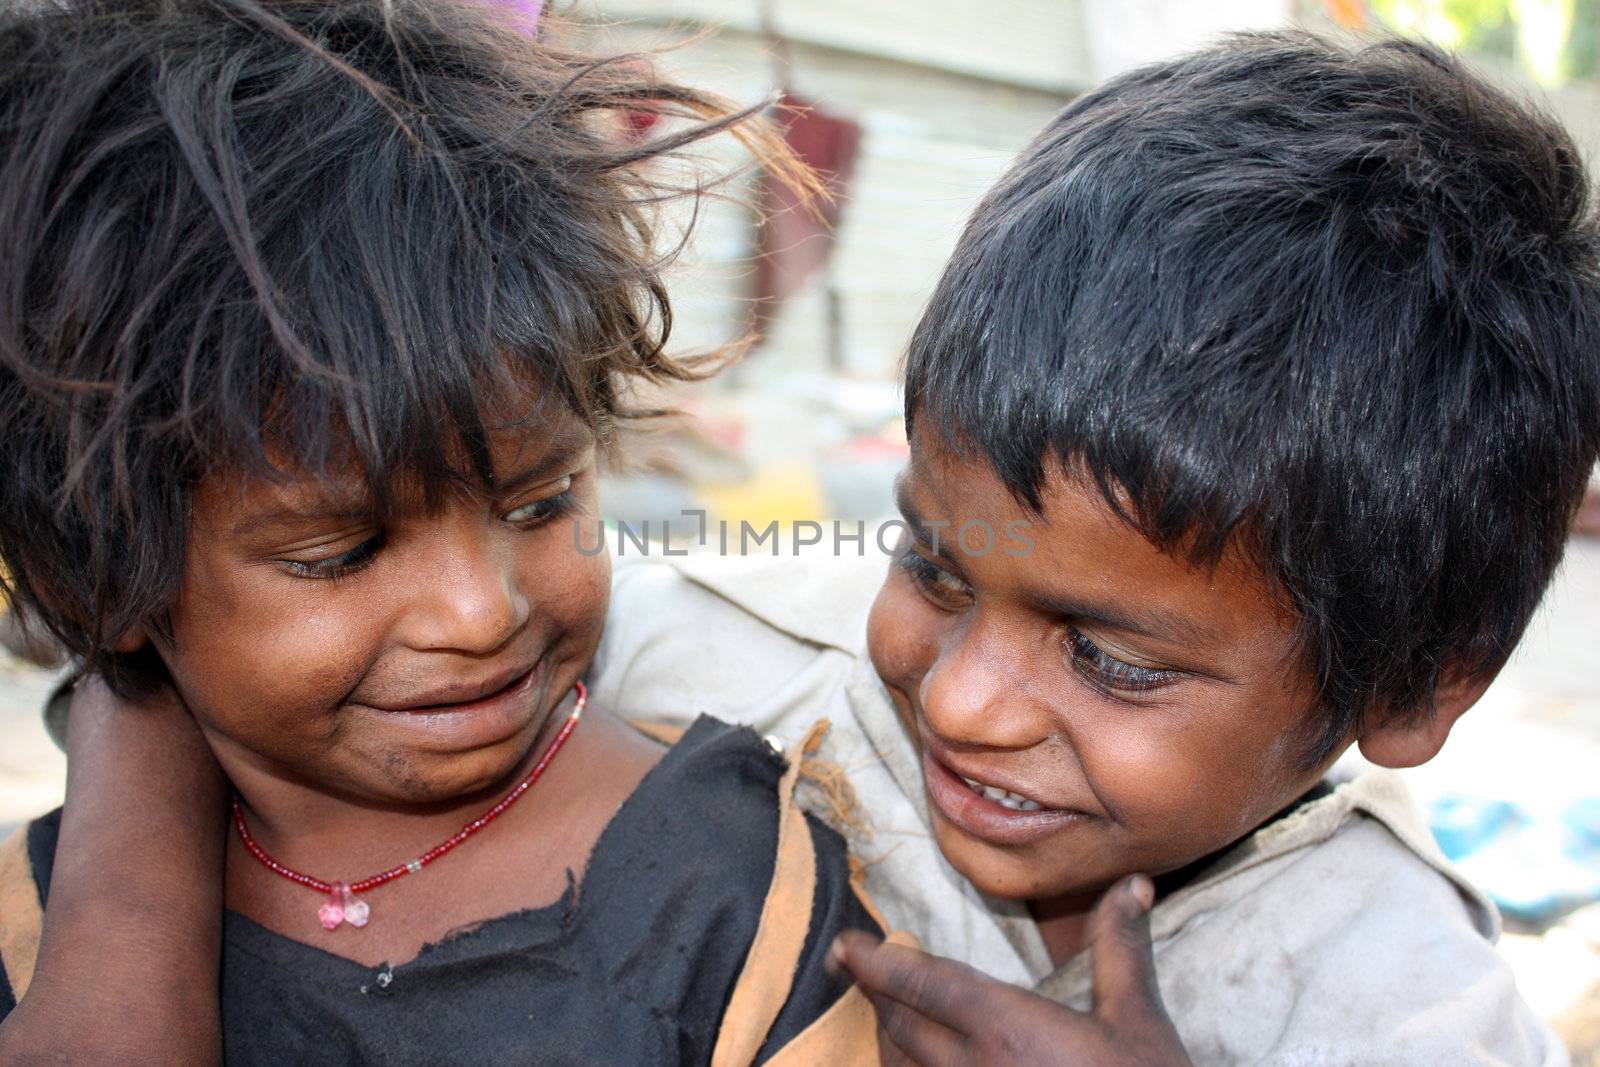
x=985, y=818
x=487, y=720
x=458, y=697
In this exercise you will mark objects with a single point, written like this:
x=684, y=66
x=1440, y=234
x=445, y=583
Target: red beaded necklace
x=343, y=905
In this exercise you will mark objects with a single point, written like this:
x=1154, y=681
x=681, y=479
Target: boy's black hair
x=1335, y=304
x=239, y=234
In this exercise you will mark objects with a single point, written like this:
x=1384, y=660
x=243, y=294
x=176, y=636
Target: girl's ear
x=131, y=640
x=1413, y=740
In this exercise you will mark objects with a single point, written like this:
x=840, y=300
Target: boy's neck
x=1063, y=924
x=1063, y=921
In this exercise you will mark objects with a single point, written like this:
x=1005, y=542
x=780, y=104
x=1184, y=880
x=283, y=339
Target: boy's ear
x=1413, y=740
x=131, y=640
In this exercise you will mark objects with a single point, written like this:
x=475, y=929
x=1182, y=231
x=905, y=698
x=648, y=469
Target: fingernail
x=834, y=963
x=1143, y=891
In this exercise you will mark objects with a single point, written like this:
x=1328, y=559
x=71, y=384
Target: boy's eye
x=937, y=584
x=1111, y=675
x=338, y=566
x=541, y=511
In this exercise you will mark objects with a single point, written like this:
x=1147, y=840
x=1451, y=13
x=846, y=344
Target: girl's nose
x=472, y=601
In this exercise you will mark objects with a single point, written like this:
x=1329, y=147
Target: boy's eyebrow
x=918, y=526
x=1146, y=622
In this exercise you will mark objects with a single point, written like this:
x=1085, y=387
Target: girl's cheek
x=576, y=595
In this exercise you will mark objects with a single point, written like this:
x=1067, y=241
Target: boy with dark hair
x=1284, y=352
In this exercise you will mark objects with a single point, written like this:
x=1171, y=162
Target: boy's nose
x=473, y=601
x=975, y=694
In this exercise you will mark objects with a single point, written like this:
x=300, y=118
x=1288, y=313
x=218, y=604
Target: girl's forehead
x=288, y=488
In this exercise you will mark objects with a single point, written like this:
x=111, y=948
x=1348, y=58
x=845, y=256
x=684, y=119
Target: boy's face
x=1140, y=713
x=407, y=662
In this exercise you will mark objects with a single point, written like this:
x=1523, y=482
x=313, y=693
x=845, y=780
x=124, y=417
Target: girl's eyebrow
x=563, y=452
x=349, y=501
x=312, y=510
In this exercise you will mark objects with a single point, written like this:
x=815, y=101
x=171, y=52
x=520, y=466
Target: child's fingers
x=890, y=1054
x=1119, y=947
x=907, y=1038
x=944, y=991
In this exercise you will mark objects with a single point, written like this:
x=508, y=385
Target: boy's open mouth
x=1003, y=797
x=986, y=810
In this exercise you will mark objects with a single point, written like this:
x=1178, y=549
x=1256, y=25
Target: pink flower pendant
x=331, y=914
x=355, y=909
x=343, y=906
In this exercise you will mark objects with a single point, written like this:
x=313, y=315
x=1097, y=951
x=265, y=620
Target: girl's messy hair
x=240, y=232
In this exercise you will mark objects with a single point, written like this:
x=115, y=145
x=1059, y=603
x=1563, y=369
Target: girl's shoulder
x=698, y=845
x=26, y=857
x=742, y=891
x=703, y=919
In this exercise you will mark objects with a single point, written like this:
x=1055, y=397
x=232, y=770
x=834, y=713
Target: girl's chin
x=391, y=776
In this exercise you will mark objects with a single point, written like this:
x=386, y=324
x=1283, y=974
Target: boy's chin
x=999, y=872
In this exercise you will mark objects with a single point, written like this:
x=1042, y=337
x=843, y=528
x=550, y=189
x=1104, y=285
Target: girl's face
x=1086, y=705
x=404, y=663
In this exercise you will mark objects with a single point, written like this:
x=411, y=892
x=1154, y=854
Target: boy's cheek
x=1168, y=802
x=901, y=641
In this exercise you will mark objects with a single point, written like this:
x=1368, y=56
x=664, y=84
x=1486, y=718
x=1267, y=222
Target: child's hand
x=127, y=967
x=934, y=1012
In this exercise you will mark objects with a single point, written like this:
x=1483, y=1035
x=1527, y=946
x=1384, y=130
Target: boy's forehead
x=1080, y=557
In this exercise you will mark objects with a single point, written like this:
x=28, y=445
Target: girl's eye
x=540, y=511
x=338, y=566
x=1110, y=674
x=935, y=583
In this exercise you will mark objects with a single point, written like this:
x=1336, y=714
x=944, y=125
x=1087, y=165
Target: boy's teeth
x=1003, y=797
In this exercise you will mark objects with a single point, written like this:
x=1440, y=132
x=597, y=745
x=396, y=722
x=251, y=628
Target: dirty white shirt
x=1336, y=935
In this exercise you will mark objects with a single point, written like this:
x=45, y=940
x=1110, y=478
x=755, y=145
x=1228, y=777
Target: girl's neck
x=308, y=825
x=525, y=859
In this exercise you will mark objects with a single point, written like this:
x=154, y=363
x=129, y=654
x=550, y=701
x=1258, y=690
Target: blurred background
x=911, y=109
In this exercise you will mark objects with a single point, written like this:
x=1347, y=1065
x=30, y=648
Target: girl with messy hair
x=314, y=319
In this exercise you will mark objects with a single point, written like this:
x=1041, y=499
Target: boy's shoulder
x=821, y=599
x=1338, y=933
x=766, y=641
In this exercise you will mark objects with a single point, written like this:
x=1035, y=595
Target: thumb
x=1119, y=948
